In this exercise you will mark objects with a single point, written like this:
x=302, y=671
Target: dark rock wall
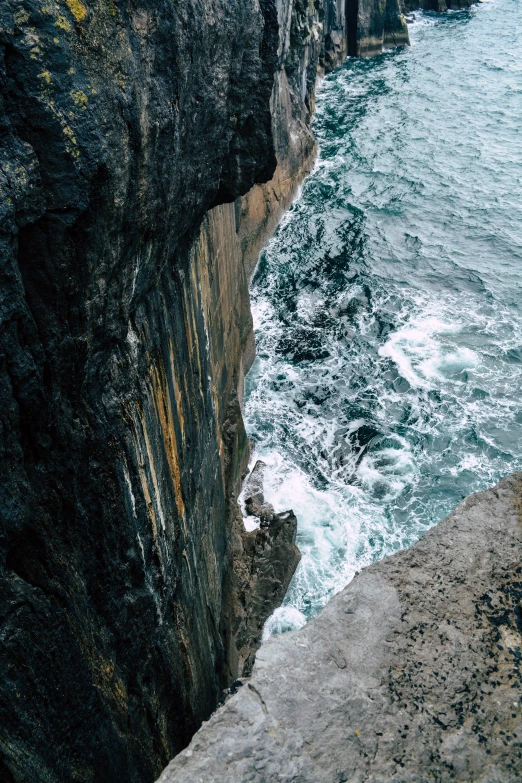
x=122, y=123
x=129, y=131
x=379, y=24
x=300, y=53
x=315, y=37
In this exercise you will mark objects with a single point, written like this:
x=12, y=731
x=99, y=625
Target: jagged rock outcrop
x=129, y=133
x=412, y=673
x=436, y=5
x=269, y=558
x=267, y=561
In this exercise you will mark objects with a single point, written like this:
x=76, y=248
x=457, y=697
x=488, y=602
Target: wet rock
x=411, y=673
x=274, y=558
x=254, y=494
x=270, y=557
x=265, y=512
x=265, y=561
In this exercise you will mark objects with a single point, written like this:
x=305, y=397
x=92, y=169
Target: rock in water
x=411, y=673
x=266, y=561
x=254, y=494
x=272, y=557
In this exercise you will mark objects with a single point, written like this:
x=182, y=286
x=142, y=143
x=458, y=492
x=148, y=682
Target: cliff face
x=436, y=5
x=123, y=319
x=411, y=673
x=131, y=134
x=314, y=38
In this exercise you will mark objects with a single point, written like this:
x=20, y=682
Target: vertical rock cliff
x=131, y=136
x=314, y=37
x=436, y=5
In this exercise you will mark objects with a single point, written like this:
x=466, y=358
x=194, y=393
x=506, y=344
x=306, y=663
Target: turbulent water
x=388, y=307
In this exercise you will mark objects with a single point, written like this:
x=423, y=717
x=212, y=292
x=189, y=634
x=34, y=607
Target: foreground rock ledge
x=412, y=673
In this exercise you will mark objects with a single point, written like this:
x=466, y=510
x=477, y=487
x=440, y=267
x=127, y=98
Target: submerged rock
x=411, y=673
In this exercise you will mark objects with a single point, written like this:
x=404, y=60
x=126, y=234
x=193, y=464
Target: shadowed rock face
x=123, y=319
x=314, y=37
x=379, y=24
x=131, y=134
x=436, y=5
x=412, y=673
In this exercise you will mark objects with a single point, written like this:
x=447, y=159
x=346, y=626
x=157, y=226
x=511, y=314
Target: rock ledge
x=412, y=673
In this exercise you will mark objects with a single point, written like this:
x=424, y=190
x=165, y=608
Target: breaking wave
x=387, y=308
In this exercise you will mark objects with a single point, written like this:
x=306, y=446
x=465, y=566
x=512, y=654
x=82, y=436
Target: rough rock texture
x=379, y=24
x=129, y=131
x=412, y=673
x=305, y=45
x=436, y=5
x=123, y=322
x=269, y=560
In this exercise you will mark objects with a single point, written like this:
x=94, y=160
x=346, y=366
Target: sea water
x=388, y=306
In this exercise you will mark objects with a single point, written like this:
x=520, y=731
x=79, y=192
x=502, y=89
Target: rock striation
x=411, y=673
x=122, y=330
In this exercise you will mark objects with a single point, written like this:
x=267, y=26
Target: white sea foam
x=421, y=352
x=388, y=383
x=286, y=618
x=343, y=520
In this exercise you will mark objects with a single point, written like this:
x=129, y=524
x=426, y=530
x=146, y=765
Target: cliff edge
x=411, y=673
x=135, y=142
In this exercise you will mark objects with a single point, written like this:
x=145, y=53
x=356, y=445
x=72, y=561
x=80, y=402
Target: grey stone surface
x=254, y=495
x=411, y=673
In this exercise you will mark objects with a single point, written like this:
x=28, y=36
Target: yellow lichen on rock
x=62, y=23
x=71, y=144
x=21, y=17
x=77, y=9
x=79, y=97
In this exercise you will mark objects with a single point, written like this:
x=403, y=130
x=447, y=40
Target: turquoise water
x=388, y=307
